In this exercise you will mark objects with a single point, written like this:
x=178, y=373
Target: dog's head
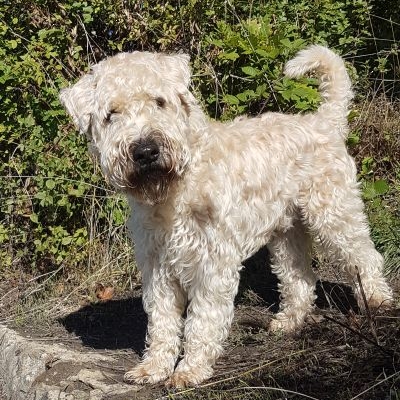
x=134, y=109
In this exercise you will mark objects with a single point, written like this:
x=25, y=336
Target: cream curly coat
x=207, y=195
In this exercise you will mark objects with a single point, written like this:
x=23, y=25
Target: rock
x=37, y=371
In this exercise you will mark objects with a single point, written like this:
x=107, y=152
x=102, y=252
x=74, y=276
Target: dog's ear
x=78, y=100
x=178, y=68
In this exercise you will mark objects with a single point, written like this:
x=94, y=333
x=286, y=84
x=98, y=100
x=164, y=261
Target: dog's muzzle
x=151, y=169
x=146, y=154
x=150, y=163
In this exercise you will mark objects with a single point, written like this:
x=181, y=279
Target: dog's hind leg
x=333, y=210
x=291, y=262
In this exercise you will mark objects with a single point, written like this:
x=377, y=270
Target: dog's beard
x=151, y=184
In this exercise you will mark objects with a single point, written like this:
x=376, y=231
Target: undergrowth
x=375, y=143
x=61, y=226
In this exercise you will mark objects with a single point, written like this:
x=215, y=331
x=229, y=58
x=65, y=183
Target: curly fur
x=208, y=195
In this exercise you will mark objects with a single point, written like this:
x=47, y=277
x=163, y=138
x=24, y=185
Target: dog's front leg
x=164, y=302
x=209, y=317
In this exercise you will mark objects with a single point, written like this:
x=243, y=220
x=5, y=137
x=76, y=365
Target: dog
x=207, y=195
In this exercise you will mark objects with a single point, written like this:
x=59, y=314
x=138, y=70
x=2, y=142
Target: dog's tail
x=335, y=84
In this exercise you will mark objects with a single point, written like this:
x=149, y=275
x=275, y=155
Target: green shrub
x=47, y=179
x=54, y=206
x=246, y=57
x=376, y=146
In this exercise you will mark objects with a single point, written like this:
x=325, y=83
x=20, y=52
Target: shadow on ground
x=258, y=277
x=121, y=324
x=116, y=324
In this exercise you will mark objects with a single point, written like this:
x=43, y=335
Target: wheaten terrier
x=206, y=195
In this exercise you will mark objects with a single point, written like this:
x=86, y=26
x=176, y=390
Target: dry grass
x=339, y=354
x=377, y=127
x=338, y=358
x=107, y=258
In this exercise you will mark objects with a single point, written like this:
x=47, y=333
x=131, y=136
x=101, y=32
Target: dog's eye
x=109, y=115
x=160, y=102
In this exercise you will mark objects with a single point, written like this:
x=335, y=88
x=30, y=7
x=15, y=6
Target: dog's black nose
x=146, y=153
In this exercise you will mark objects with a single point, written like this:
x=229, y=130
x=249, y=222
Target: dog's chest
x=186, y=240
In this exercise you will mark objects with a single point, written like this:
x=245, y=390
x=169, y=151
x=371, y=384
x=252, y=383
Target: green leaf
x=230, y=99
x=118, y=217
x=246, y=95
x=369, y=191
x=34, y=218
x=229, y=56
x=353, y=138
x=262, y=53
x=372, y=190
x=50, y=184
x=66, y=240
x=12, y=44
x=286, y=42
x=251, y=71
x=381, y=186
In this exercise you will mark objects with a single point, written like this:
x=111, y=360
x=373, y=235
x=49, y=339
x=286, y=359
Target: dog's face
x=134, y=108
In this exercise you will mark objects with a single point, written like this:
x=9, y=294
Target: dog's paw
x=379, y=296
x=377, y=301
x=188, y=376
x=179, y=380
x=282, y=324
x=147, y=373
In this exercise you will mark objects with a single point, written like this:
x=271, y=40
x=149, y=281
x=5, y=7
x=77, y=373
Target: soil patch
x=339, y=354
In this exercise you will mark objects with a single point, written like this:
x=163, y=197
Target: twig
x=367, y=310
x=271, y=388
x=376, y=384
x=359, y=334
x=231, y=378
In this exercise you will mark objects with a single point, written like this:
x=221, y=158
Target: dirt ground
x=339, y=354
